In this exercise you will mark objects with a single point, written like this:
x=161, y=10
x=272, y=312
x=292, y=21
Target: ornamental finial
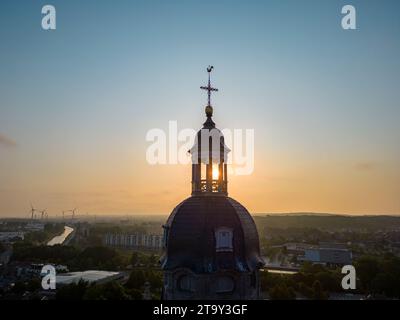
x=209, y=89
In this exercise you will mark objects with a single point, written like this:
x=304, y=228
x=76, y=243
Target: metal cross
x=209, y=88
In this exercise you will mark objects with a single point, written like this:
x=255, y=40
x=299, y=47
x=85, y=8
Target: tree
x=318, y=292
x=34, y=284
x=135, y=294
x=101, y=258
x=2, y=248
x=108, y=291
x=387, y=280
x=73, y=291
x=305, y=290
x=136, y=279
x=309, y=268
x=152, y=260
x=134, y=259
x=282, y=292
x=19, y=288
x=328, y=281
x=367, y=268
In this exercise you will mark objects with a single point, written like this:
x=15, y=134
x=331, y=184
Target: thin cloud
x=7, y=142
x=366, y=166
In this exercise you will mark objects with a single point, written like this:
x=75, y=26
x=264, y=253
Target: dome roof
x=191, y=236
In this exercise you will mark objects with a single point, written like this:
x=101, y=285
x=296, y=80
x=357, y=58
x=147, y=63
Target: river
x=280, y=271
x=62, y=237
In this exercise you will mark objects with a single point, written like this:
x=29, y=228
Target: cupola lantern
x=209, y=154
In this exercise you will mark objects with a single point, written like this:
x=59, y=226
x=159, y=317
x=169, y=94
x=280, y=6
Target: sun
x=215, y=173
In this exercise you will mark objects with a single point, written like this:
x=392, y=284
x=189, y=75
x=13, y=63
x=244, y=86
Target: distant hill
x=299, y=213
x=323, y=214
x=328, y=221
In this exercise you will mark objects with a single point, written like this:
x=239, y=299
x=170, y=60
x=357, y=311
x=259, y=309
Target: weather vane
x=209, y=88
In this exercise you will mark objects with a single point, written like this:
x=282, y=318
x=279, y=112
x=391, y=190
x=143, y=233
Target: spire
x=209, y=88
x=209, y=154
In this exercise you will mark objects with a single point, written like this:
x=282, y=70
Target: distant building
x=332, y=245
x=61, y=268
x=27, y=270
x=33, y=226
x=297, y=248
x=324, y=253
x=8, y=236
x=137, y=240
x=327, y=256
x=90, y=276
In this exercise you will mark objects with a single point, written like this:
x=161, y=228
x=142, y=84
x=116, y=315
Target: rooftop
x=91, y=276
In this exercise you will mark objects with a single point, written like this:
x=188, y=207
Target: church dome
x=209, y=234
x=211, y=245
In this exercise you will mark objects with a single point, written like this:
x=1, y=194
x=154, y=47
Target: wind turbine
x=33, y=210
x=43, y=213
x=73, y=213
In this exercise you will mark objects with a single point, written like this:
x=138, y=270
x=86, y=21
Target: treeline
x=49, y=231
x=141, y=284
x=328, y=222
x=377, y=277
x=78, y=259
x=135, y=288
x=278, y=236
x=100, y=258
x=311, y=282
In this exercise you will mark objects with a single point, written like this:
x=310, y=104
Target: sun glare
x=215, y=173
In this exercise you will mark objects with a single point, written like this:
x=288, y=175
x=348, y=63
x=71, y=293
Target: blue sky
x=316, y=95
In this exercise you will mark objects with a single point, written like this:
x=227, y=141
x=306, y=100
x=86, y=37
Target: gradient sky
x=76, y=103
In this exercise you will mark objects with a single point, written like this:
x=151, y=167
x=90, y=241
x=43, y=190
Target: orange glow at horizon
x=135, y=187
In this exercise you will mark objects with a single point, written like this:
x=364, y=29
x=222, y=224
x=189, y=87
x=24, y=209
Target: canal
x=62, y=237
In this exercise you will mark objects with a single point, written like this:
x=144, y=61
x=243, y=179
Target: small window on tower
x=223, y=238
x=165, y=235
